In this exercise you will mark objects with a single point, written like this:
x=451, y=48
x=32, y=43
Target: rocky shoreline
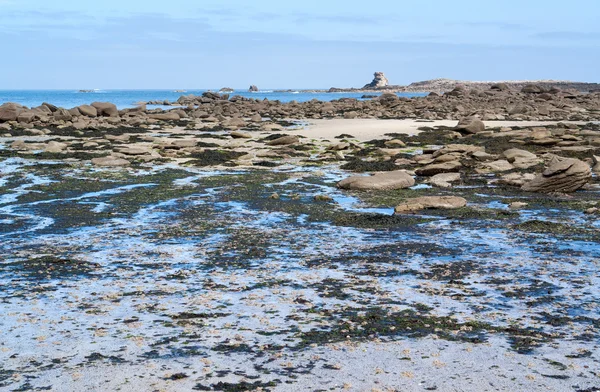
x=227, y=245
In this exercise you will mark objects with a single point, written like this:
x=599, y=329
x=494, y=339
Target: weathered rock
x=379, y=80
x=378, y=181
x=253, y=89
x=10, y=111
x=444, y=180
x=26, y=117
x=88, y=110
x=437, y=168
x=284, y=140
x=62, y=115
x=110, y=161
x=499, y=166
x=470, y=125
x=431, y=202
x=562, y=175
x=106, y=109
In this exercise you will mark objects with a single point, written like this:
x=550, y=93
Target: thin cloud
x=569, y=35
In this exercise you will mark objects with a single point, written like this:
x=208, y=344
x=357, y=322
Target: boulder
x=88, y=110
x=470, y=125
x=10, y=111
x=388, y=98
x=62, y=115
x=253, y=89
x=431, y=202
x=562, y=175
x=51, y=108
x=378, y=181
x=106, y=109
x=26, y=117
x=437, y=168
x=284, y=140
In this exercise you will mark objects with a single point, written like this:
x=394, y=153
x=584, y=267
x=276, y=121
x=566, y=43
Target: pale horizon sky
x=191, y=44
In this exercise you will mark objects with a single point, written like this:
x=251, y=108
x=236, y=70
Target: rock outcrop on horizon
x=379, y=81
x=253, y=89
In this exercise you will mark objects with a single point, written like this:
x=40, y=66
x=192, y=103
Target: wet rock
x=378, y=181
x=517, y=205
x=284, y=140
x=431, y=202
x=274, y=196
x=470, y=125
x=325, y=198
x=562, y=175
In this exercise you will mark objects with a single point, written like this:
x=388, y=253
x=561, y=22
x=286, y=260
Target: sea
x=130, y=98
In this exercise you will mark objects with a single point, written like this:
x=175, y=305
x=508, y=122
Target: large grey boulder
x=431, y=202
x=378, y=181
x=562, y=175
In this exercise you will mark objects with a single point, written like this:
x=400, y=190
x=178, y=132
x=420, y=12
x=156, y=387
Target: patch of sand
x=369, y=129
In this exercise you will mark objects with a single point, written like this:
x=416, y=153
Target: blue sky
x=296, y=44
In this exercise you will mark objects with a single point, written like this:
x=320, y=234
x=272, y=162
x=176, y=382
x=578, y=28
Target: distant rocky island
x=440, y=86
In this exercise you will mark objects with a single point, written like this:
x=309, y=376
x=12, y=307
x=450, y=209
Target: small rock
x=431, y=202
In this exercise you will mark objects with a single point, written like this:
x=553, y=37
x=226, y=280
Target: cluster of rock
x=496, y=103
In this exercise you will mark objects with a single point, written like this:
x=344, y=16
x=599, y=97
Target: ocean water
x=130, y=98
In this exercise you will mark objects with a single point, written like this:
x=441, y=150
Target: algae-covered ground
x=169, y=278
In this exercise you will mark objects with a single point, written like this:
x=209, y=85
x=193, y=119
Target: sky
x=135, y=44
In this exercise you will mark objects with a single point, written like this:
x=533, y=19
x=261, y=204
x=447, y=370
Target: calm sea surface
x=129, y=98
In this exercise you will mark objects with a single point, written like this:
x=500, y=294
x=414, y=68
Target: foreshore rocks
x=431, y=202
x=561, y=175
x=378, y=181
